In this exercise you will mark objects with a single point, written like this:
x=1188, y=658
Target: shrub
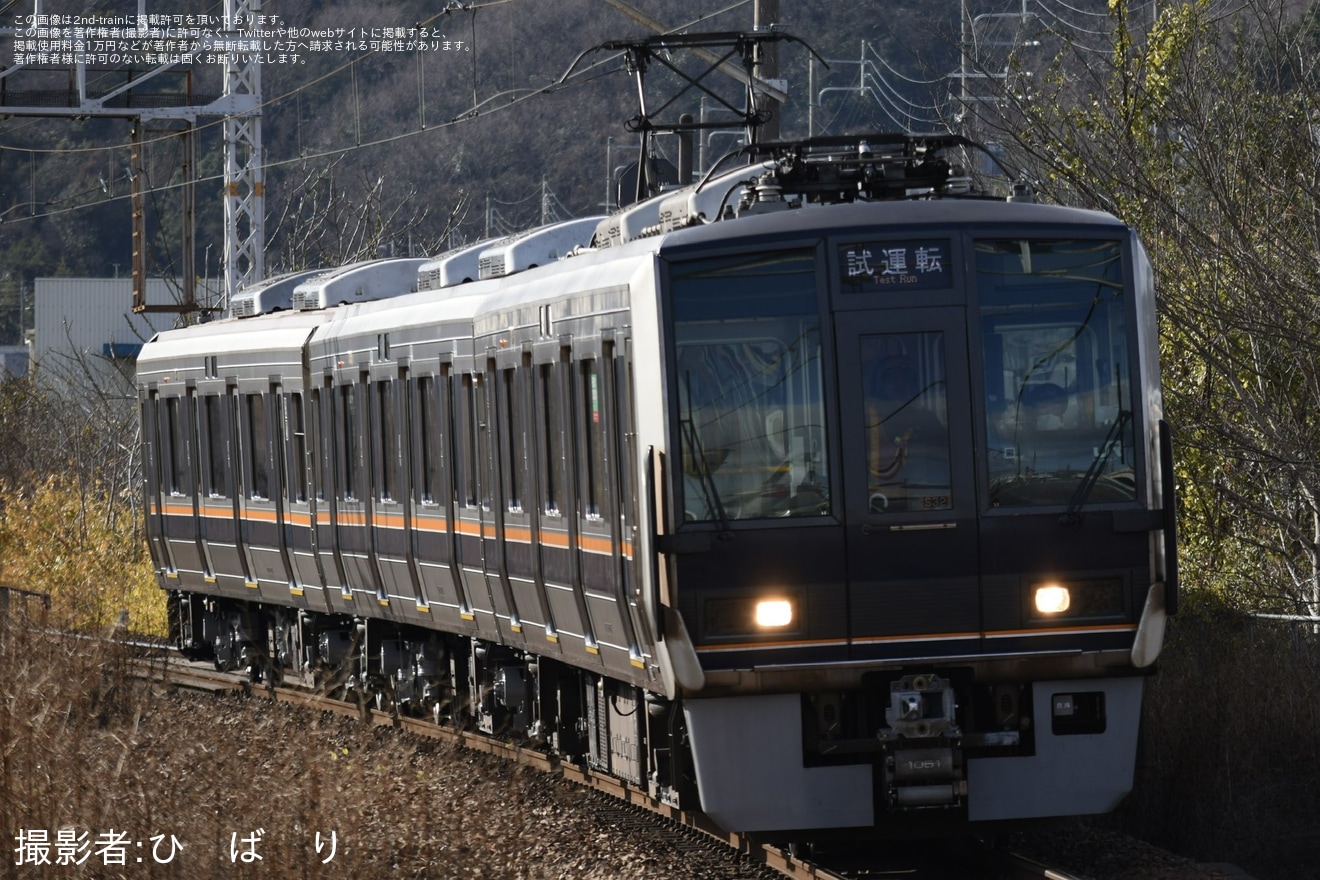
x=1230, y=765
x=83, y=546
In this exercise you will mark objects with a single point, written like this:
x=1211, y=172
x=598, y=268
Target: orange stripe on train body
x=354, y=519
x=930, y=637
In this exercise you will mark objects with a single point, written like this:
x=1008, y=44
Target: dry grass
x=1230, y=772
x=83, y=747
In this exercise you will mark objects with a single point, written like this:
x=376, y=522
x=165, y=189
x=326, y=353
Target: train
x=825, y=495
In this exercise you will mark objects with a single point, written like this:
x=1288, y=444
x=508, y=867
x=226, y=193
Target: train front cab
x=922, y=553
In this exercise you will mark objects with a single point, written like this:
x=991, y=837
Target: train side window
x=192, y=442
x=348, y=446
x=322, y=437
x=592, y=447
x=465, y=446
x=176, y=427
x=297, y=447
x=748, y=377
x=426, y=436
x=625, y=441
x=278, y=444
x=444, y=442
x=1058, y=382
x=258, y=445
x=166, y=437
x=550, y=415
x=385, y=447
x=215, y=432
x=483, y=441
x=515, y=440
x=151, y=433
x=238, y=442
x=170, y=412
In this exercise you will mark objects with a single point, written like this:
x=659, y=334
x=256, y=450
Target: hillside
x=383, y=150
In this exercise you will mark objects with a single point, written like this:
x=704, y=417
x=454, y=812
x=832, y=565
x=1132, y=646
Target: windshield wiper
x=1071, y=516
x=714, y=503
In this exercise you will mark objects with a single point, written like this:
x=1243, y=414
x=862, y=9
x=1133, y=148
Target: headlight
x=1078, y=599
x=1052, y=599
x=774, y=613
x=735, y=617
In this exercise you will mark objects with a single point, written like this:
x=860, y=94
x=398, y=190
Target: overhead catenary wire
x=1070, y=8
x=269, y=102
x=478, y=110
x=896, y=72
x=890, y=100
x=900, y=103
x=338, y=151
x=450, y=7
x=350, y=65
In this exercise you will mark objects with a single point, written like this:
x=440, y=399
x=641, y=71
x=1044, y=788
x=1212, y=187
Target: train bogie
x=830, y=516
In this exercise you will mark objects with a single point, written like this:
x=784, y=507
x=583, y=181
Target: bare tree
x=1203, y=130
x=328, y=223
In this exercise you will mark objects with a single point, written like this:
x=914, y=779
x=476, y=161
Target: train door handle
x=869, y=529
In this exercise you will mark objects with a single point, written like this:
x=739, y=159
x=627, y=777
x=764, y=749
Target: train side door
x=261, y=508
x=909, y=491
x=352, y=514
x=156, y=430
x=300, y=502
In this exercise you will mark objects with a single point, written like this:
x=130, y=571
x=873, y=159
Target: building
x=87, y=334
x=13, y=362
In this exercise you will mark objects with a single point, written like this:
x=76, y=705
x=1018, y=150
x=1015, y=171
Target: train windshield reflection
x=1058, y=382
x=748, y=346
x=907, y=422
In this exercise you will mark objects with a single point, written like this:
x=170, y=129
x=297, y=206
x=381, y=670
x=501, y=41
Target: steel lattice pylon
x=244, y=193
x=240, y=105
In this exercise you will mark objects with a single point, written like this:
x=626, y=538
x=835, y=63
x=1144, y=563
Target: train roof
x=784, y=224
x=462, y=303
x=402, y=312
x=360, y=282
x=275, y=293
x=843, y=219
x=588, y=270
x=281, y=331
x=536, y=247
x=455, y=266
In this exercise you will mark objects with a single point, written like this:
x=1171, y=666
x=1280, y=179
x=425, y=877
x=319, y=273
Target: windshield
x=751, y=418
x=907, y=422
x=1058, y=387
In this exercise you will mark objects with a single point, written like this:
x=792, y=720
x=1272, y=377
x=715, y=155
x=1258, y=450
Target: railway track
x=620, y=805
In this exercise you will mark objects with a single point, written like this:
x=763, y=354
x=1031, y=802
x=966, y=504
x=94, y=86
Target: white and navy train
x=815, y=496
